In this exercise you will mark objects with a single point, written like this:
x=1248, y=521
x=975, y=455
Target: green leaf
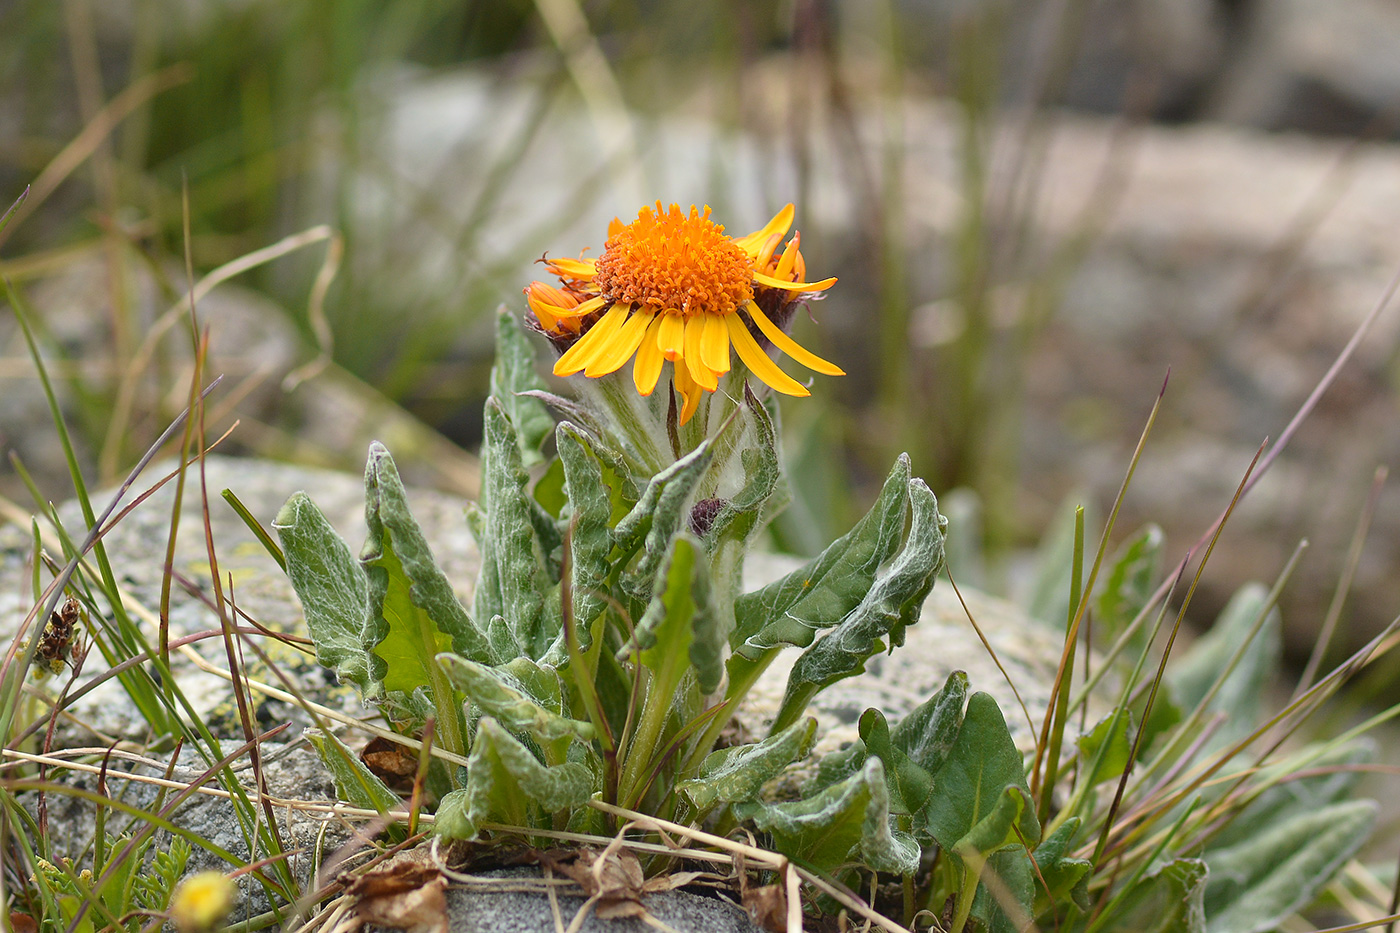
x=926, y=735
x=658, y=514
x=1006, y=893
x=678, y=629
x=1242, y=691
x=1061, y=876
x=1165, y=900
x=354, y=782
x=513, y=374
x=520, y=695
x=549, y=489
x=893, y=602
x=984, y=762
x=590, y=542
x=1129, y=584
x=506, y=783
x=758, y=453
x=731, y=775
x=333, y=589
x=1256, y=883
x=1111, y=737
x=414, y=615
x=847, y=821
x=821, y=593
x=514, y=580
x=908, y=784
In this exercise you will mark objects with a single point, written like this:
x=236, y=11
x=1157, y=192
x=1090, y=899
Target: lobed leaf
x=679, y=629
x=590, y=540
x=504, y=778
x=909, y=785
x=413, y=613
x=658, y=514
x=520, y=695
x=893, y=602
x=1060, y=875
x=735, y=774
x=354, y=782
x=512, y=377
x=333, y=590
x=849, y=820
x=515, y=579
x=790, y=611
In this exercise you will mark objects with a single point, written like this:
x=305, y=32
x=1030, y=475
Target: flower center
x=674, y=261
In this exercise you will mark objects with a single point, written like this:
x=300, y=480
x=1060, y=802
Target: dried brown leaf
x=407, y=894
x=391, y=762
x=767, y=906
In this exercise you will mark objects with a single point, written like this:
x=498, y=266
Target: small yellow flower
x=202, y=901
x=672, y=287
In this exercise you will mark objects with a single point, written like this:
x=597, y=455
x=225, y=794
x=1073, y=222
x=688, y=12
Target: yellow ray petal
x=572, y=268
x=688, y=389
x=765, y=254
x=789, y=346
x=694, y=337
x=714, y=345
x=582, y=353
x=671, y=336
x=621, y=347
x=779, y=225
x=786, y=262
x=758, y=362
x=579, y=310
x=647, y=369
x=771, y=282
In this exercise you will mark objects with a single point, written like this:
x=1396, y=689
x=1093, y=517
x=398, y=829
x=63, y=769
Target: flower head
x=202, y=901
x=672, y=286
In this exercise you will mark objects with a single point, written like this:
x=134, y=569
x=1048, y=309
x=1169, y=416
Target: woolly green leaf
x=657, y=516
x=1242, y=691
x=730, y=775
x=983, y=762
x=1128, y=586
x=1165, y=900
x=926, y=735
x=333, y=589
x=590, y=541
x=821, y=593
x=506, y=783
x=847, y=821
x=515, y=579
x=1105, y=748
x=1061, y=875
x=520, y=694
x=678, y=629
x=513, y=374
x=1256, y=883
x=909, y=785
x=758, y=453
x=414, y=615
x=353, y=781
x=892, y=603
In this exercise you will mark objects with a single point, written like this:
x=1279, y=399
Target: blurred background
x=1035, y=209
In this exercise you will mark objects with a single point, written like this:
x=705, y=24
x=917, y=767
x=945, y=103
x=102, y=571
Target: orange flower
x=672, y=287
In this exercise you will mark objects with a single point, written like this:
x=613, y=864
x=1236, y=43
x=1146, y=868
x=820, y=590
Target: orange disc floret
x=673, y=261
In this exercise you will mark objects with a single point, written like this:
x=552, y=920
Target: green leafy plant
x=610, y=645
